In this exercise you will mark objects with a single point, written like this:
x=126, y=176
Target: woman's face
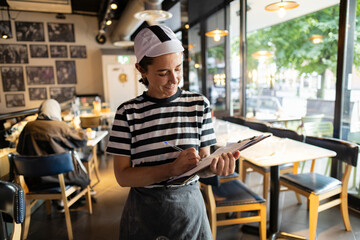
x=164, y=75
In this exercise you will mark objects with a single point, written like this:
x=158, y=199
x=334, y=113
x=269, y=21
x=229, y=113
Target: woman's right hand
x=187, y=160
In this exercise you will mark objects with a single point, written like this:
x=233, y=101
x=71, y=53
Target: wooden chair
x=48, y=165
x=318, y=129
x=324, y=192
x=12, y=204
x=232, y=197
x=88, y=158
x=309, y=118
x=90, y=122
x=265, y=171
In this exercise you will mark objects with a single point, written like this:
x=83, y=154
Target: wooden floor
x=104, y=222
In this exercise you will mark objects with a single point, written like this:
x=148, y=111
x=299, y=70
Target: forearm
x=142, y=176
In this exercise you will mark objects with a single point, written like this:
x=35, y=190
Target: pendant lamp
x=262, y=54
x=217, y=33
x=316, y=39
x=281, y=7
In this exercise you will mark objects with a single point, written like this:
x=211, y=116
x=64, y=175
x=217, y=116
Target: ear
x=140, y=69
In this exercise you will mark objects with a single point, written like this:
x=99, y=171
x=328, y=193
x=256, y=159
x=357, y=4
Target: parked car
x=264, y=107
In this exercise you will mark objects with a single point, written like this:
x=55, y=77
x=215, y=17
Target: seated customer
x=49, y=135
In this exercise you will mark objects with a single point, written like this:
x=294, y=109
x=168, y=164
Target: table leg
x=96, y=166
x=274, y=208
x=274, y=200
x=273, y=230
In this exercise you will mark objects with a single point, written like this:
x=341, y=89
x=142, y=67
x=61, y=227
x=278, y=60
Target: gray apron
x=163, y=213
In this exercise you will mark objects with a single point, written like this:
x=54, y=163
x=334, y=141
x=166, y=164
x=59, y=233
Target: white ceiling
x=258, y=17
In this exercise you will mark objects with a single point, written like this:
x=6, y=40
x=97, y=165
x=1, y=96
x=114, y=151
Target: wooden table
x=272, y=152
x=92, y=164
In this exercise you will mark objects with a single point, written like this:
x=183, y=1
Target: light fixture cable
x=217, y=33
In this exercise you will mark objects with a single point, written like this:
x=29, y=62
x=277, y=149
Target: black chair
x=232, y=197
x=48, y=165
x=317, y=187
x=284, y=168
x=12, y=205
x=257, y=125
x=237, y=119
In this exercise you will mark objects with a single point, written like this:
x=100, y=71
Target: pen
x=173, y=146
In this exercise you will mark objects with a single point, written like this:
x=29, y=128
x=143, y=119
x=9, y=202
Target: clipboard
x=205, y=162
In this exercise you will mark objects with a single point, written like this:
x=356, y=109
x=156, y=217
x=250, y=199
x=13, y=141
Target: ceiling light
x=262, y=54
x=108, y=22
x=217, y=34
x=123, y=43
x=113, y=6
x=153, y=15
x=100, y=38
x=281, y=7
x=316, y=39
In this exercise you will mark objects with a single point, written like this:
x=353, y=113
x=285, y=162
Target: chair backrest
x=312, y=118
x=286, y=133
x=46, y=165
x=345, y=151
x=318, y=129
x=259, y=126
x=12, y=201
x=237, y=120
x=90, y=121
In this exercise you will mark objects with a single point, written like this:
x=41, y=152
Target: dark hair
x=144, y=63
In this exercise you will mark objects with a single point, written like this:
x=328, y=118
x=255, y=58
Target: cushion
x=311, y=182
x=235, y=193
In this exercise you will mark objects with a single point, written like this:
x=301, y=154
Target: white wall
x=117, y=92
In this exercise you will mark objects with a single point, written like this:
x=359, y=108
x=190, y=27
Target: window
x=292, y=62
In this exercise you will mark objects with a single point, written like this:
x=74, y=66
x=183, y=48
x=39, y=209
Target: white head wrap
x=50, y=109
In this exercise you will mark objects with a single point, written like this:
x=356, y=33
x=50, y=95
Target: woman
x=49, y=135
x=142, y=160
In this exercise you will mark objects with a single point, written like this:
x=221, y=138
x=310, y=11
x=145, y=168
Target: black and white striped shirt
x=143, y=124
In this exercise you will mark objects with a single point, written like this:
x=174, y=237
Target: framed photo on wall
x=5, y=27
x=65, y=72
x=62, y=94
x=39, y=51
x=40, y=75
x=78, y=51
x=12, y=79
x=58, y=51
x=14, y=53
x=30, y=31
x=14, y=100
x=37, y=93
x=61, y=32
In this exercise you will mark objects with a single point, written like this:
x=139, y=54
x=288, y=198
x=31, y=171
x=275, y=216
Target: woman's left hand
x=224, y=164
